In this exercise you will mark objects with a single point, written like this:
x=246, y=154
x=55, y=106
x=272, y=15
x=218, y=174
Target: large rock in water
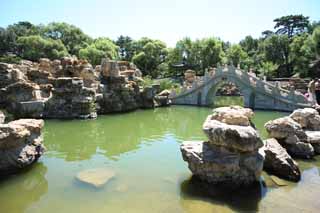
x=291, y=136
x=308, y=118
x=20, y=144
x=278, y=161
x=231, y=155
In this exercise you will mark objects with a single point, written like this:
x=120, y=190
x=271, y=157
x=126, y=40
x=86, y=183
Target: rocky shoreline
x=71, y=88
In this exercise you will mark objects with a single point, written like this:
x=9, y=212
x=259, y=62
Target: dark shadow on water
x=244, y=199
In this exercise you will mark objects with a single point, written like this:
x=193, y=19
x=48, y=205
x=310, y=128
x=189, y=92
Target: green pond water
x=142, y=148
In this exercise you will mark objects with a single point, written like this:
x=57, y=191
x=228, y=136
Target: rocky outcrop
x=10, y=75
x=231, y=155
x=70, y=99
x=72, y=88
x=291, y=136
x=278, y=161
x=20, y=144
x=308, y=118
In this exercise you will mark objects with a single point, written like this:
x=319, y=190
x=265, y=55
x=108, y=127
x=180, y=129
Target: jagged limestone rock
x=20, y=144
x=231, y=155
x=278, y=161
x=308, y=118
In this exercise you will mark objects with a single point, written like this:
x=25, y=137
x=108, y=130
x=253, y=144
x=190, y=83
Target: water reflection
x=114, y=135
x=246, y=199
x=31, y=185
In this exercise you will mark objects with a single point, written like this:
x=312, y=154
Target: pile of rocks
x=71, y=88
x=20, y=144
x=231, y=155
x=298, y=133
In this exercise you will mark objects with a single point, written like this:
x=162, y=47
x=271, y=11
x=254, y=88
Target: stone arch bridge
x=257, y=94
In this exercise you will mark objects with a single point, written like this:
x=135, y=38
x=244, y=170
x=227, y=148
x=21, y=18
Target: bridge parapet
x=256, y=92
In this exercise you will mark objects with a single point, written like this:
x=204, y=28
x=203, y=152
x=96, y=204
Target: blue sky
x=167, y=20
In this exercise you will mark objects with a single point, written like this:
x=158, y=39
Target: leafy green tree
x=35, y=47
x=301, y=53
x=291, y=25
x=236, y=55
x=149, y=55
x=126, y=48
x=267, y=33
x=24, y=28
x=9, y=36
x=71, y=36
x=316, y=40
x=276, y=50
x=211, y=52
x=100, y=48
x=7, y=41
x=268, y=69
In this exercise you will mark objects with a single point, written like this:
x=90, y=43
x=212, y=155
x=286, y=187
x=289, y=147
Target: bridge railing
x=249, y=80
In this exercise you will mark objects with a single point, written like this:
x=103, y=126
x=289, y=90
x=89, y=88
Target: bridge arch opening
x=228, y=91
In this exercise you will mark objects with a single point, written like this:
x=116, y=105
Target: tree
x=211, y=52
x=276, y=50
x=291, y=25
x=71, y=36
x=267, y=33
x=301, y=53
x=316, y=40
x=100, y=48
x=7, y=41
x=126, y=48
x=235, y=55
x=35, y=47
x=24, y=28
x=149, y=55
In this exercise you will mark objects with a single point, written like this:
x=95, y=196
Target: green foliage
x=149, y=55
x=316, y=40
x=268, y=69
x=301, y=54
x=100, y=48
x=291, y=25
x=236, y=55
x=11, y=59
x=126, y=47
x=71, y=36
x=35, y=47
x=204, y=53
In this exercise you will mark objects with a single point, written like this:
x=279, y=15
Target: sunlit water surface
x=142, y=147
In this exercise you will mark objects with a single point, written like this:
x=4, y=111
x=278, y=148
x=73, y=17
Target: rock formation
x=231, y=155
x=278, y=161
x=71, y=88
x=20, y=144
x=298, y=133
x=291, y=136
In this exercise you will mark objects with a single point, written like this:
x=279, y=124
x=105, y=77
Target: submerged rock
x=20, y=144
x=95, y=177
x=278, y=161
x=231, y=155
